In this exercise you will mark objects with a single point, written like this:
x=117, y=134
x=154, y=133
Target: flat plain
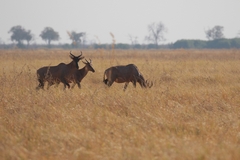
x=191, y=112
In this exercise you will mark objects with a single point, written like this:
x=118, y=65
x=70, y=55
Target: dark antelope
x=77, y=77
x=128, y=73
x=59, y=73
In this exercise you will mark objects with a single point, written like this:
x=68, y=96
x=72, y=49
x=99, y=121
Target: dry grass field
x=191, y=112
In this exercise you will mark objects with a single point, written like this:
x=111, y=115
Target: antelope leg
x=134, y=83
x=79, y=85
x=125, y=86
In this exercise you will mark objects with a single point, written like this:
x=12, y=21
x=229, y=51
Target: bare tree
x=133, y=40
x=215, y=33
x=156, y=32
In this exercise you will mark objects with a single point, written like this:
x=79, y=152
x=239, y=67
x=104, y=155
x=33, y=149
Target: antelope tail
x=104, y=80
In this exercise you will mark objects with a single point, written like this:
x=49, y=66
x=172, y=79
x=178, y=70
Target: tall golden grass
x=191, y=112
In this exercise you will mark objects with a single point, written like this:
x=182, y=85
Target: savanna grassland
x=191, y=112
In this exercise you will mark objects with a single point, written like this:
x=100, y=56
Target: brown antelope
x=57, y=74
x=121, y=74
x=77, y=77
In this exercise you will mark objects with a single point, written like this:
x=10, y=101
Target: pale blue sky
x=184, y=19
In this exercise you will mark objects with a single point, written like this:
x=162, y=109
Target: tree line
x=222, y=43
x=156, y=34
x=20, y=34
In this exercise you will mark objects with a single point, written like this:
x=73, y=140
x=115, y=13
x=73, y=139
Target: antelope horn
x=80, y=56
x=71, y=54
x=149, y=84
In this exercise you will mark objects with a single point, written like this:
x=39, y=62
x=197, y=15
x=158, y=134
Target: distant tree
x=48, y=34
x=122, y=46
x=198, y=44
x=235, y=43
x=28, y=37
x=76, y=38
x=215, y=33
x=19, y=34
x=156, y=33
x=133, y=40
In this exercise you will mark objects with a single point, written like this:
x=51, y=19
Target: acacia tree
x=48, y=34
x=19, y=34
x=215, y=33
x=76, y=38
x=156, y=33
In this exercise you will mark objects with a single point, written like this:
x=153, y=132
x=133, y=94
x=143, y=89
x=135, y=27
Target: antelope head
x=148, y=84
x=89, y=65
x=76, y=59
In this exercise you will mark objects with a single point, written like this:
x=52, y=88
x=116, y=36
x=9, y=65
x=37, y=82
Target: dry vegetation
x=191, y=112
